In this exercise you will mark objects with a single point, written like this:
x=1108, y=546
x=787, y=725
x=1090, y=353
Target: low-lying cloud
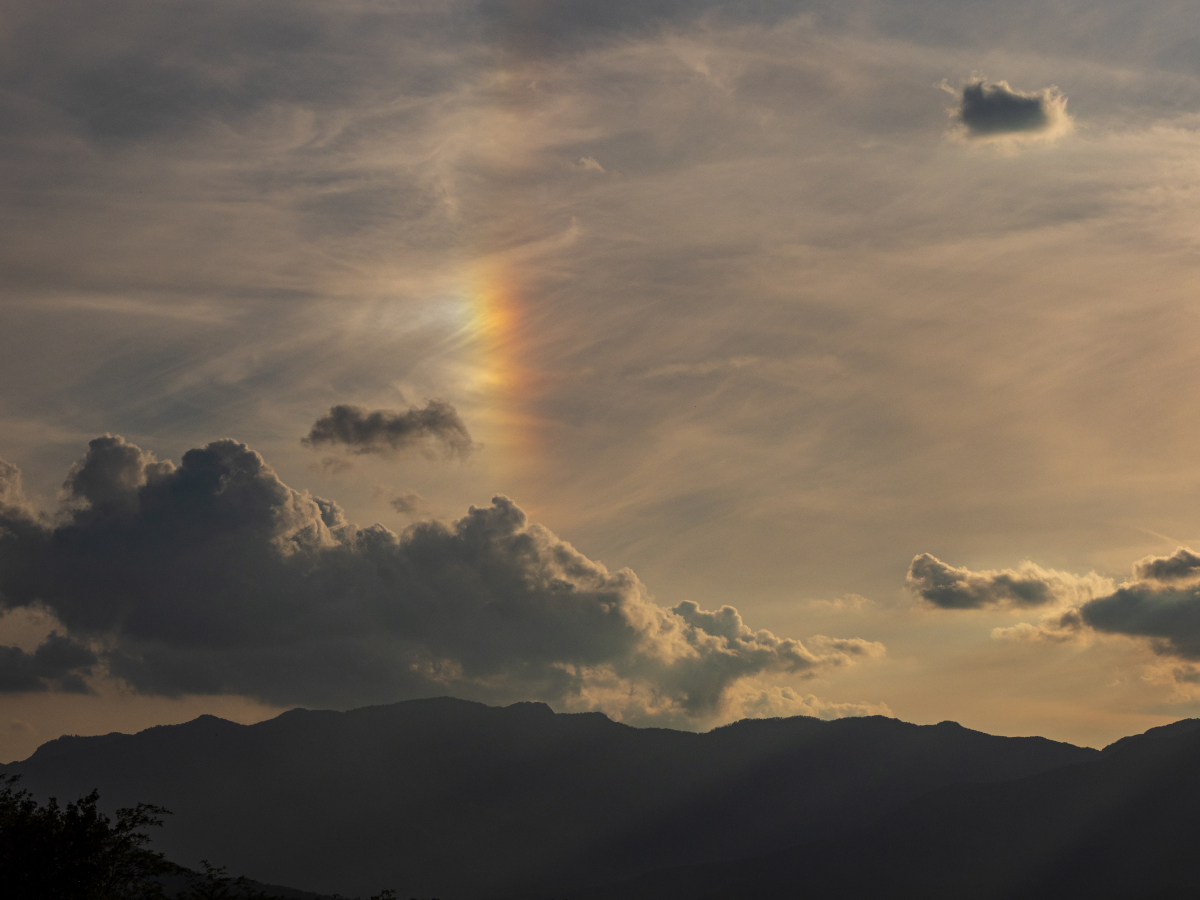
x=214, y=577
x=1161, y=602
x=385, y=431
x=993, y=111
x=1169, y=616
x=1028, y=585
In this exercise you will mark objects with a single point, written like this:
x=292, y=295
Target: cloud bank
x=1028, y=585
x=214, y=577
x=997, y=112
x=384, y=431
x=1160, y=603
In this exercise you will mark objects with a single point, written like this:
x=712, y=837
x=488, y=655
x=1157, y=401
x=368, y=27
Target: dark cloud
x=215, y=577
x=385, y=431
x=1179, y=566
x=952, y=588
x=1169, y=616
x=996, y=110
x=1155, y=605
x=58, y=663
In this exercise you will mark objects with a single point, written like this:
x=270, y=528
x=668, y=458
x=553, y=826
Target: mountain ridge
x=455, y=799
x=1117, y=827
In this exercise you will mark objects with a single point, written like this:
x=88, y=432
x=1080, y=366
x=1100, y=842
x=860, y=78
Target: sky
x=685, y=361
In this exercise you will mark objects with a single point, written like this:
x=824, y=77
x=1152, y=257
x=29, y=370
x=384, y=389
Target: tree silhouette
x=214, y=883
x=77, y=853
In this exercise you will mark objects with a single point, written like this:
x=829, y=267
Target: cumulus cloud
x=1168, y=616
x=1028, y=585
x=992, y=111
x=385, y=431
x=215, y=577
x=1161, y=602
x=1182, y=565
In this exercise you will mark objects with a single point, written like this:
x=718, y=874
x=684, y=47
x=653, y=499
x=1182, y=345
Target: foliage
x=77, y=853
x=214, y=883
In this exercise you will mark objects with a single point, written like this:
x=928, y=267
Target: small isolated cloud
x=215, y=577
x=407, y=503
x=848, y=647
x=996, y=112
x=384, y=431
x=845, y=603
x=589, y=164
x=1028, y=585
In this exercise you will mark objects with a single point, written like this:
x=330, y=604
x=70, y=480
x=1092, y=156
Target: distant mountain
x=457, y=800
x=1125, y=826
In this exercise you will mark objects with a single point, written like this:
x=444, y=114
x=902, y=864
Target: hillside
x=1119, y=827
x=454, y=799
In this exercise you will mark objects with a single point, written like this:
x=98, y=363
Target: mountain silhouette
x=1124, y=826
x=457, y=800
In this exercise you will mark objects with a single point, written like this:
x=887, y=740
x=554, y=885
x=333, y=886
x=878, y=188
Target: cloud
x=214, y=577
x=385, y=431
x=1169, y=616
x=1181, y=565
x=995, y=111
x=845, y=603
x=1161, y=603
x=12, y=497
x=1028, y=585
x=758, y=701
x=408, y=503
x=1056, y=627
x=58, y=662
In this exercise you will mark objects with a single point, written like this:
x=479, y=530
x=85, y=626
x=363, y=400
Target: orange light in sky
x=498, y=322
